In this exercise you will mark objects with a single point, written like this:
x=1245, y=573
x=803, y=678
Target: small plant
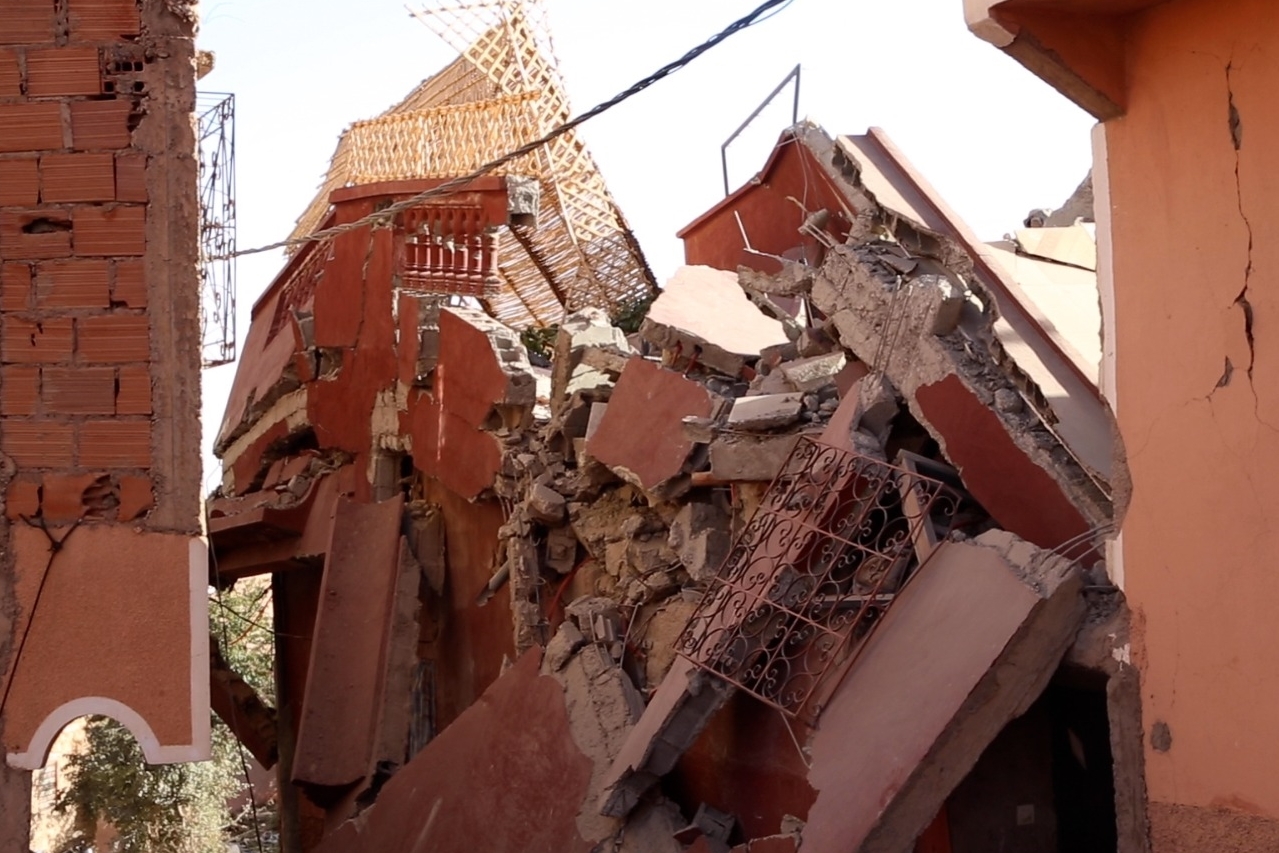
x=540, y=341
x=631, y=313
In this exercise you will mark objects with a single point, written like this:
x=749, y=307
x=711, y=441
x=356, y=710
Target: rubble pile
x=624, y=500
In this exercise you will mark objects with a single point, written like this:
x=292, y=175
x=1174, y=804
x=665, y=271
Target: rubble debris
x=604, y=506
x=700, y=537
x=765, y=411
x=674, y=717
x=749, y=457
x=810, y=374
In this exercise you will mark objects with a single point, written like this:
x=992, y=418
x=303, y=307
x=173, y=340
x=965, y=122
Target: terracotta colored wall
x=99, y=365
x=1194, y=190
x=769, y=218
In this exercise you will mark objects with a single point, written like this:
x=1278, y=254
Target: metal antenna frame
x=794, y=118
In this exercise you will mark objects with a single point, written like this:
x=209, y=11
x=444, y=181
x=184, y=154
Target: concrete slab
x=641, y=435
x=337, y=733
x=707, y=308
x=485, y=783
x=967, y=646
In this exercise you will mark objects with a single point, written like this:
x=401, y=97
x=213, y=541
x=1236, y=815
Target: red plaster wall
x=1192, y=220
x=770, y=219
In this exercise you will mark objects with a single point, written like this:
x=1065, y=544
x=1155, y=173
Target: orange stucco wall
x=1194, y=217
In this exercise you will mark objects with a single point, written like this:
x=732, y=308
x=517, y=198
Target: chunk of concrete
x=765, y=412
x=703, y=310
x=810, y=374
x=676, y=715
x=981, y=629
x=641, y=435
x=749, y=457
x=546, y=505
x=561, y=550
x=701, y=539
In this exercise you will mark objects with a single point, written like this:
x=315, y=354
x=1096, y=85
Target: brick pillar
x=99, y=332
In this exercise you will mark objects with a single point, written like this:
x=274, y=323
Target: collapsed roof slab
x=968, y=646
x=955, y=388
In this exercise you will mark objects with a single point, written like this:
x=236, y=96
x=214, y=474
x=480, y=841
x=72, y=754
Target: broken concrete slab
x=765, y=412
x=535, y=784
x=750, y=457
x=682, y=706
x=338, y=728
x=1075, y=245
x=949, y=384
x=545, y=505
x=703, y=313
x=981, y=628
x=810, y=374
x=584, y=330
x=699, y=536
x=641, y=435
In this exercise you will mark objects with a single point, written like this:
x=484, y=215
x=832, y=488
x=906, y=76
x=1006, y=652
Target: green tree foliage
x=175, y=808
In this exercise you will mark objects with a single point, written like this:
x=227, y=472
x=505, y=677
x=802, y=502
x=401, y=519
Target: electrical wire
x=384, y=216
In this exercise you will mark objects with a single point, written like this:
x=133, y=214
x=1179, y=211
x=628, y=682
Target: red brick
x=103, y=20
x=133, y=390
x=19, y=182
x=22, y=499
x=36, y=342
x=78, y=390
x=115, y=444
x=113, y=339
x=135, y=497
x=32, y=235
x=130, y=287
x=10, y=76
x=131, y=177
x=99, y=124
x=110, y=231
x=37, y=444
x=27, y=22
x=63, y=71
x=63, y=495
x=31, y=127
x=77, y=177
x=19, y=391
x=15, y=287
x=73, y=284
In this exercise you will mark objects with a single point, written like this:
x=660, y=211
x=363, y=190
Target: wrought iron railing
x=837, y=536
x=215, y=114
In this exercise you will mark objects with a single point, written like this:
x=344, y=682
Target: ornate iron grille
x=812, y=573
x=216, y=128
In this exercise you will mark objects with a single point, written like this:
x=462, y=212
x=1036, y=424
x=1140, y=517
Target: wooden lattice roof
x=502, y=91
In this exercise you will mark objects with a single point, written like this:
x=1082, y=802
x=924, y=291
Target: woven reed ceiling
x=502, y=91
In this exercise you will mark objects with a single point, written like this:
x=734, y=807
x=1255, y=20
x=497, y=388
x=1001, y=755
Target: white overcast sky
x=993, y=139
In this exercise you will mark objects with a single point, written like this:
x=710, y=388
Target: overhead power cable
x=385, y=214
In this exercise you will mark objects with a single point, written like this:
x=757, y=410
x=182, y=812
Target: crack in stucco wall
x=1235, y=125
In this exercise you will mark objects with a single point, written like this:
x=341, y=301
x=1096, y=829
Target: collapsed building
x=805, y=559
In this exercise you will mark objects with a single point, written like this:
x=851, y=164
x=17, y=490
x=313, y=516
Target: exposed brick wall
x=83, y=357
